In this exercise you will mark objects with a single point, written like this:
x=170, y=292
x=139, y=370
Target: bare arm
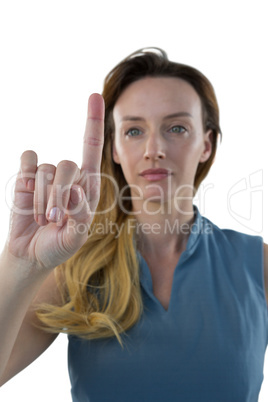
x=49, y=204
x=30, y=341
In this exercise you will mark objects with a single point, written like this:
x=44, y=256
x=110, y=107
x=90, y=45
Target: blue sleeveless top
x=208, y=346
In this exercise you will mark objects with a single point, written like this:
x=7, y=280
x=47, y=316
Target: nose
x=154, y=148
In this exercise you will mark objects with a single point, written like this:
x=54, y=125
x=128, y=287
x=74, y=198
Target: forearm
x=17, y=290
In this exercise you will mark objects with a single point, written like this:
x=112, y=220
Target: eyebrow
x=170, y=116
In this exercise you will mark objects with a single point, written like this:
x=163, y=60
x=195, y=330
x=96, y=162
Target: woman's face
x=158, y=125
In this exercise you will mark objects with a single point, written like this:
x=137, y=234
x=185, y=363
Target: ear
x=208, y=136
x=115, y=154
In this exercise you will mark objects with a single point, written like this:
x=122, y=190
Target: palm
x=52, y=243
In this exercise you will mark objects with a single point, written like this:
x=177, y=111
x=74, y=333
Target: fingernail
x=55, y=215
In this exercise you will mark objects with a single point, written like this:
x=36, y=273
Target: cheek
x=128, y=163
x=187, y=156
x=196, y=147
x=187, y=149
x=126, y=154
x=130, y=166
x=116, y=152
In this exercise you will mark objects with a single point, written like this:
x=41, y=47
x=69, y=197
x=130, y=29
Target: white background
x=55, y=53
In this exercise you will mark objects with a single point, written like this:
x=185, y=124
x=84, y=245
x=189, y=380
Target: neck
x=163, y=230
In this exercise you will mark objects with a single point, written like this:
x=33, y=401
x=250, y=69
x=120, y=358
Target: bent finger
x=43, y=182
x=67, y=173
x=28, y=168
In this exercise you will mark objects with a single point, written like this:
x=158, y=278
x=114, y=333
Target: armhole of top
x=264, y=274
x=260, y=273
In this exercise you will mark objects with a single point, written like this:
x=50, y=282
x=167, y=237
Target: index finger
x=94, y=134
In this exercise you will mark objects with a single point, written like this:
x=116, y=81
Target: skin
x=40, y=241
x=39, y=188
x=145, y=139
x=152, y=140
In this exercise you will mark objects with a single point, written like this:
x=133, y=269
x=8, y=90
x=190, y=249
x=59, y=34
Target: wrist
x=21, y=270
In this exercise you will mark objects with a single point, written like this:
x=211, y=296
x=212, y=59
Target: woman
x=159, y=303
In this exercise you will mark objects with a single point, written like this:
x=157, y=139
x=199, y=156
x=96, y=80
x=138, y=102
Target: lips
x=154, y=171
x=155, y=174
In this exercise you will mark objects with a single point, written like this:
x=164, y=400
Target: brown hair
x=154, y=62
x=101, y=294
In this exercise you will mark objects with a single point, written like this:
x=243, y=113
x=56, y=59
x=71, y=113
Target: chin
x=156, y=197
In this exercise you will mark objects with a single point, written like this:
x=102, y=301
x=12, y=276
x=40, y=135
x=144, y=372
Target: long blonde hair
x=101, y=295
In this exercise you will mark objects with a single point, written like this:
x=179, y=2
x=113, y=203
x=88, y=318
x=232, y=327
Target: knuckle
x=40, y=206
x=68, y=166
x=90, y=172
x=46, y=168
x=93, y=141
x=64, y=197
x=93, y=194
x=60, y=195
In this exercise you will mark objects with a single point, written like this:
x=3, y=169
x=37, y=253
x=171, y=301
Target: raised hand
x=54, y=206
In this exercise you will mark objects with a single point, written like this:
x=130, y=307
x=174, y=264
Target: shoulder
x=236, y=245
x=232, y=241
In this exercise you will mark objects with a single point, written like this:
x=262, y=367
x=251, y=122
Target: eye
x=178, y=129
x=133, y=132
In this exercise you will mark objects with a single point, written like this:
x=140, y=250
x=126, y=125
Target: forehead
x=158, y=95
